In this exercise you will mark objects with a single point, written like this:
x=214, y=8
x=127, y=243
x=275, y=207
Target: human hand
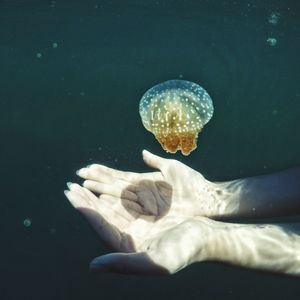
x=145, y=244
x=175, y=190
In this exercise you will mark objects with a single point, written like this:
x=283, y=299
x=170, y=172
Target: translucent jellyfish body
x=175, y=111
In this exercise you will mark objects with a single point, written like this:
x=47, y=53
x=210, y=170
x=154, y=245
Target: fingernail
x=78, y=172
x=68, y=184
x=66, y=192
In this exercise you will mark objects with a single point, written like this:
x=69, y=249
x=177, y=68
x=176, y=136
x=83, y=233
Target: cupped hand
x=174, y=190
x=144, y=244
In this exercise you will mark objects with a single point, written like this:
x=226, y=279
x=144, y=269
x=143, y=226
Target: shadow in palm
x=154, y=198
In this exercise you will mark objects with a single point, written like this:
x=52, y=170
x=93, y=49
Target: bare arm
x=271, y=195
x=274, y=248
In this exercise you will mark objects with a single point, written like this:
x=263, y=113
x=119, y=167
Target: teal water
x=72, y=74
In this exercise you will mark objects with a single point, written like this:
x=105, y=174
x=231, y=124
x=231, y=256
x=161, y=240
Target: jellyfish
x=176, y=111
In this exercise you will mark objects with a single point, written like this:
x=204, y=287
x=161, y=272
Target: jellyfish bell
x=176, y=111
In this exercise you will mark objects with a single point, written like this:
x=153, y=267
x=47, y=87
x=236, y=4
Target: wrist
x=206, y=238
x=228, y=197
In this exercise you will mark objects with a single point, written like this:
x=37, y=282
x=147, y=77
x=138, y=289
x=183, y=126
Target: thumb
x=152, y=160
x=126, y=263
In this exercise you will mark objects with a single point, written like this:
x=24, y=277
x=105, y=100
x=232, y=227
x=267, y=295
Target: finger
x=126, y=207
x=75, y=199
x=127, y=263
x=92, y=197
x=99, y=219
x=116, y=211
x=83, y=198
x=153, y=161
x=77, y=196
x=105, y=174
x=107, y=231
x=113, y=214
x=118, y=189
x=89, y=198
x=75, y=188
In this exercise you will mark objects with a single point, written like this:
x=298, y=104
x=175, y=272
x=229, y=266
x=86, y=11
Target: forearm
x=260, y=247
x=273, y=195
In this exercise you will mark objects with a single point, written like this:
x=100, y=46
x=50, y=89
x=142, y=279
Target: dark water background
x=78, y=103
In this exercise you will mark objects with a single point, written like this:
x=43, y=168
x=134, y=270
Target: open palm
x=145, y=244
x=174, y=190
